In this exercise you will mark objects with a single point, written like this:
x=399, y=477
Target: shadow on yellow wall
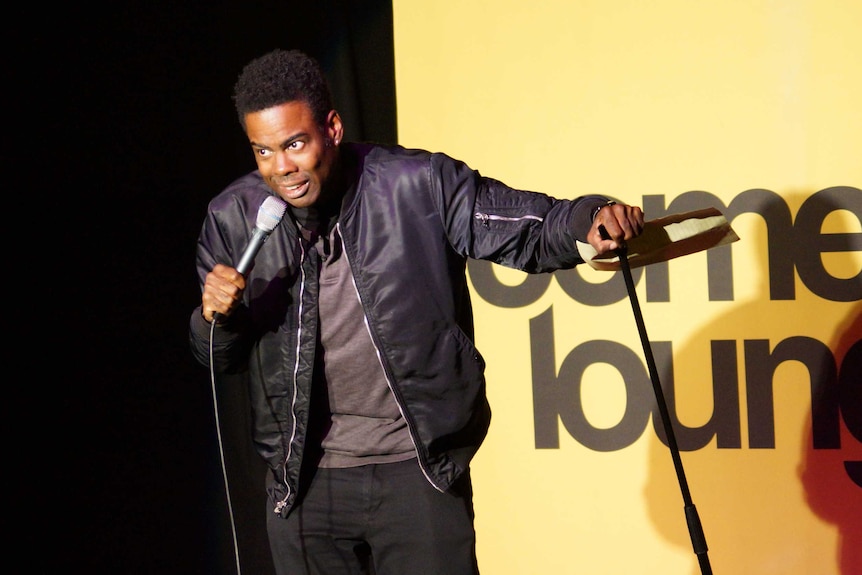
x=832, y=476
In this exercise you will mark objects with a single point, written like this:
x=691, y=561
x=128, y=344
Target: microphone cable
x=269, y=215
x=221, y=451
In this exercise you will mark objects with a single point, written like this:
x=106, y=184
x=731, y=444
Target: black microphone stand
x=695, y=529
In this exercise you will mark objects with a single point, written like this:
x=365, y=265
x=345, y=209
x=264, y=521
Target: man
x=355, y=328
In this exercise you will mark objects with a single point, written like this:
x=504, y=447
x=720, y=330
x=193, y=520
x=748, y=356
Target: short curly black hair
x=282, y=76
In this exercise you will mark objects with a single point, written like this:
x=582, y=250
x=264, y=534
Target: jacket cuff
x=583, y=214
x=199, y=325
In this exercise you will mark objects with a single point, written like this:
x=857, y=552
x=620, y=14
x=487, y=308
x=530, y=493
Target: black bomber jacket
x=408, y=227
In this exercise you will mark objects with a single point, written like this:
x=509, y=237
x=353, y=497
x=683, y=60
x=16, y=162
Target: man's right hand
x=222, y=291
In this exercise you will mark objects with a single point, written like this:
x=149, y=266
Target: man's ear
x=334, y=127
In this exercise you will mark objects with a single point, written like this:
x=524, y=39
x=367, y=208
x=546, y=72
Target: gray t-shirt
x=365, y=425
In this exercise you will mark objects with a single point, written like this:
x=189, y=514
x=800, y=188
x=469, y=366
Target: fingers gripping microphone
x=268, y=216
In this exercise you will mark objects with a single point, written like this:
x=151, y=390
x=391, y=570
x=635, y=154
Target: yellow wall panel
x=756, y=103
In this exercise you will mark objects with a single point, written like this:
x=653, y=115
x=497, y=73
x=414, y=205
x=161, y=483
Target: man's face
x=294, y=154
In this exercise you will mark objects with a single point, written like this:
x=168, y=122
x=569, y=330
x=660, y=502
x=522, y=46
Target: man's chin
x=303, y=202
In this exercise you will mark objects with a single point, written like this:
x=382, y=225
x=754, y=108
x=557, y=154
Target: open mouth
x=294, y=190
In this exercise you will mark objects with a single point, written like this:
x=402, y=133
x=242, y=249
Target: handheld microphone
x=268, y=216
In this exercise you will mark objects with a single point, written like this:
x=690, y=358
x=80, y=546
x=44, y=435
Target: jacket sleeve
x=486, y=219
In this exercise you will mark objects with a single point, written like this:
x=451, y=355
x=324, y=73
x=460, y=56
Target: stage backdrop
x=750, y=106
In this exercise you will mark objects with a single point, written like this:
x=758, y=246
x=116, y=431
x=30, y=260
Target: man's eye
x=295, y=145
x=263, y=152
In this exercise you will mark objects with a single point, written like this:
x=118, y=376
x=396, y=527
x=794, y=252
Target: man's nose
x=284, y=164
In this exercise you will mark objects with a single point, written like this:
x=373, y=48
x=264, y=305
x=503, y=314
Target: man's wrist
x=598, y=208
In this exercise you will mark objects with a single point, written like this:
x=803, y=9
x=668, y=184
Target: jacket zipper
x=486, y=218
x=280, y=505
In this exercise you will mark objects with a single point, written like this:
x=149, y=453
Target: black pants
x=376, y=520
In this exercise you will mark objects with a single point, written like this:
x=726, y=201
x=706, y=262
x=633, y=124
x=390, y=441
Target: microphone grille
x=270, y=213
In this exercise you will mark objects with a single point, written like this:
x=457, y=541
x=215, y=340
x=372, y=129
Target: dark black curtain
x=121, y=129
